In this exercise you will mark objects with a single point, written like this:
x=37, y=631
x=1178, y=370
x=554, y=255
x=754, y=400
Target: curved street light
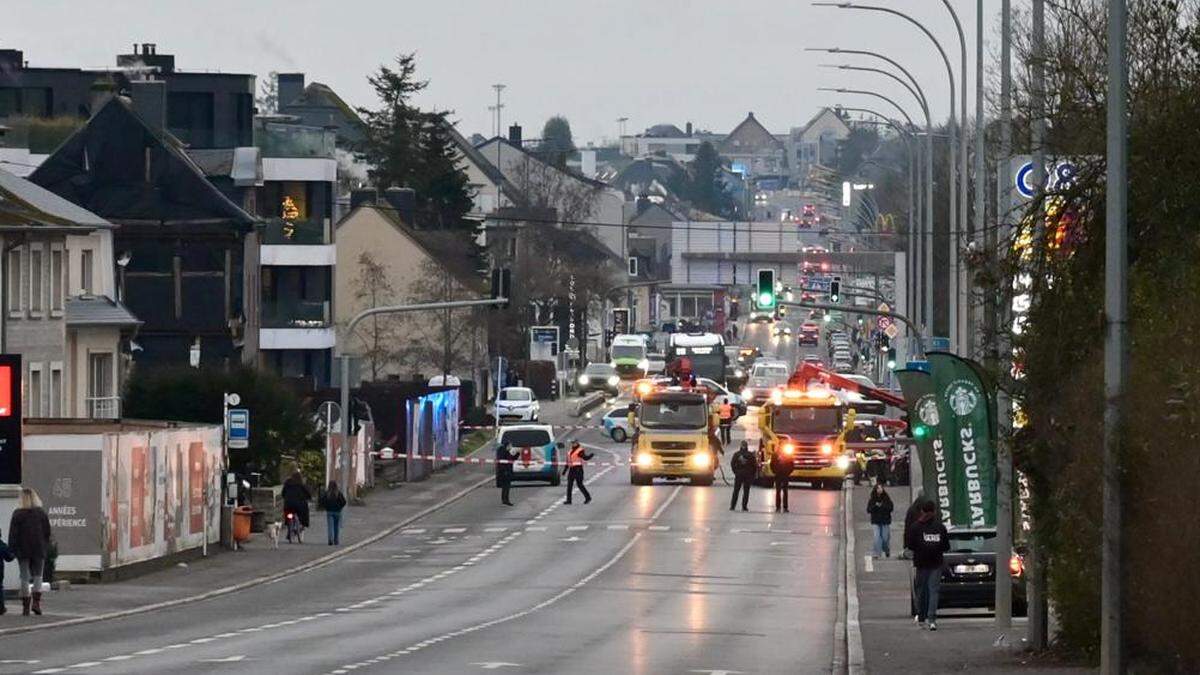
x=953, y=167
x=958, y=326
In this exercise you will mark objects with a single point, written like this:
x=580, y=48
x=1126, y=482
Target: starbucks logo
x=928, y=412
x=962, y=401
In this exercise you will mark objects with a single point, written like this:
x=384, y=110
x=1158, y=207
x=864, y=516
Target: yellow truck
x=810, y=426
x=674, y=437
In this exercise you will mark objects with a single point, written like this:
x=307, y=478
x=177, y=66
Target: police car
x=537, y=457
x=616, y=424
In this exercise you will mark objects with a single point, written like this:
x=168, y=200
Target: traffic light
x=891, y=358
x=502, y=286
x=918, y=431
x=765, y=295
x=835, y=290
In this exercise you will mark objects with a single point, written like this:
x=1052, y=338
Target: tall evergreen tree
x=707, y=190
x=444, y=195
x=391, y=141
x=557, y=142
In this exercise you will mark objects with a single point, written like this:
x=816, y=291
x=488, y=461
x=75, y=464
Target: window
x=85, y=271
x=35, y=279
x=101, y=401
x=14, y=281
x=56, y=390
x=56, y=280
x=33, y=405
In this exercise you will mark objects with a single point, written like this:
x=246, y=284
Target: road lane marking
x=454, y=530
x=576, y=528
x=869, y=563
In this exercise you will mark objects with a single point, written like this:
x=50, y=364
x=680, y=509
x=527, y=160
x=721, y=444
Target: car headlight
x=613, y=380
x=843, y=462
x=739, y=373
x=701, y=460
x=789, y=449
x=827, y=448
x=645, y=459
x=644, y=364
x=746, y=393
x=583, y=379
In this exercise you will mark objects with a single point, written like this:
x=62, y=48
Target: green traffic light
x=766, y=299
x=891, y=364
x=828, y=318
x=920, y=431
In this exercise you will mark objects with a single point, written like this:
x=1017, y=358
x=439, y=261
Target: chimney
x=11, y=60
x=360, y=196
x=514, y=135
x=587, y=163
x=689, y=130
x=291, y=86
x=150, y=101
x=147, y=58
x=404, y=202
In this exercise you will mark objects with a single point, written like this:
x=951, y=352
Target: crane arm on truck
x=807, y=371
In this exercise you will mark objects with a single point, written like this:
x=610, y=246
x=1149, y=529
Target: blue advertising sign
x=239, y=428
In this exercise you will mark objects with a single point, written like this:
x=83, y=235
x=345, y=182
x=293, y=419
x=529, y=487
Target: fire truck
x=675, y=437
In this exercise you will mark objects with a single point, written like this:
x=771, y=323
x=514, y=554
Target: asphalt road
x=650, y=579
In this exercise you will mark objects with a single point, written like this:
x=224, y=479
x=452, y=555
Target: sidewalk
x=893, y=644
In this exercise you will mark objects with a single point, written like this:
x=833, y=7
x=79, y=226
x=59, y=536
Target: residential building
x=817, y=143
x=182, y=241
x=755, y=152
x=666, y=140
x=59, y=311
x=383, y=260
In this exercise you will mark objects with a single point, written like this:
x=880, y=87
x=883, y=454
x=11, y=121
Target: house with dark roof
x=59, y=309
x=754, y=151
x=180, y=242
x=383, y=260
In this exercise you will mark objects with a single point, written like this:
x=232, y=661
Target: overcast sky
x=704, y=61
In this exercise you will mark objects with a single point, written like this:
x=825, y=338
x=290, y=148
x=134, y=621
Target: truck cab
x=810, y=425
x=673, y=438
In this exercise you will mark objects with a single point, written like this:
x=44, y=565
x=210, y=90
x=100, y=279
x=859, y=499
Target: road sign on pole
x=891, y=331
x=239, y=428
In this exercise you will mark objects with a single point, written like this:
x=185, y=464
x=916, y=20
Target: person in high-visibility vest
x=574, y=471
x=725, y=414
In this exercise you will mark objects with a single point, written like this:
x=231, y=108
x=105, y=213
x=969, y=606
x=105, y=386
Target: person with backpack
x=333, y=501
x=879, y=507
x=744, y=467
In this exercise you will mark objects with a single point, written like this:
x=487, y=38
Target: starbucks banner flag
x=963, y=405
x=920, y=399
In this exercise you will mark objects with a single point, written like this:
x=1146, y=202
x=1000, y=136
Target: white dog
x=273, y=533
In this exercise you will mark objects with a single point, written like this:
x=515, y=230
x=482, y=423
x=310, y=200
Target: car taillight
x=1016, y=565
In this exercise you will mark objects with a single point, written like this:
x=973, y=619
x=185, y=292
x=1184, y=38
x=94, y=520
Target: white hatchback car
x=517, y=404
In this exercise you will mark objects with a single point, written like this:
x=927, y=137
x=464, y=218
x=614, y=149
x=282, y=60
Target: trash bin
x=242, y=516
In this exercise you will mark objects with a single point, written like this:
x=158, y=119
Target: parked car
x=517, y=404
x=616, y=424
x=717, y=391
x=599, y=377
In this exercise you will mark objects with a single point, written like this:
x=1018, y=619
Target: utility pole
x=998, y=246
x=1038, y=609
x=1116, y=353
x=498, y=107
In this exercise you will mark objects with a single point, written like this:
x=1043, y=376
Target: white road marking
x=454, y=530
x=869, y=563
x=659, y=528
x=618, y=527
x=576, y=528
x=227, y=659
x=493, y=665
x=416, y=530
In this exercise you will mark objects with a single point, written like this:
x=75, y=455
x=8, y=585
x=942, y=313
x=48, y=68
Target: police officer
x=743, y=465
x=574, y=471
x=781, y=466
x=725, y=412
x=504, y=470
x=631, y=418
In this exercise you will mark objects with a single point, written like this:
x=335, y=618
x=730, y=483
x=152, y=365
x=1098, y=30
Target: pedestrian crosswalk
x=449, y=533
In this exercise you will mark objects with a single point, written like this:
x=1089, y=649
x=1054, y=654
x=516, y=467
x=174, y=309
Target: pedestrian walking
x=744, y=467
x=504, y=471
x=29, y=541
x=575, y=459
x=879, y=507
x=295, y=501
x=782, y=465
x=928, y=541
x=5, y=556
x=725, y=414
x=734, y=328
x=333, y=501
x=910, y=518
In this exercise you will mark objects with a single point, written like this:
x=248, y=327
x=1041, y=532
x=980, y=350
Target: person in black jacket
x=5, y=556
x=910, y=517
x=879, y=507
x=928, y=541
x=782, y=465
x=295, y=500
x=333, y=501
x=504, y=471
x=29, y=540
x=744, y=467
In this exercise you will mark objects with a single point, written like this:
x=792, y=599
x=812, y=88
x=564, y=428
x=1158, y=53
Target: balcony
x=295, y=141
x=104, y=407
x=295, y=314
x=300, y=232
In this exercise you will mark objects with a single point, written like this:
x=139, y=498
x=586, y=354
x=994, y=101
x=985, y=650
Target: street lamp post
x=958, y=304
x=952, y=201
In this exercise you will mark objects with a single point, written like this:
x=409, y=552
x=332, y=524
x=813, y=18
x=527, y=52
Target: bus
x=706, y=351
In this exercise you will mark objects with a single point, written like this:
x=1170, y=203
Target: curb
x=839, y=625
x=303, y=567
x=856, y=662
x=588, y=402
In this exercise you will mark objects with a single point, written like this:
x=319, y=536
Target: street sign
x=543, y=342
x=620, y=320
x=239, y=428
x=891, y=331
x=882, y=322
x=883, y=307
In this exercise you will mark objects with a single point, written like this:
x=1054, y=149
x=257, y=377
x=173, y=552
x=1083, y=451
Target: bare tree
x=373, y=288
x=452, y=338
x=267, y=100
